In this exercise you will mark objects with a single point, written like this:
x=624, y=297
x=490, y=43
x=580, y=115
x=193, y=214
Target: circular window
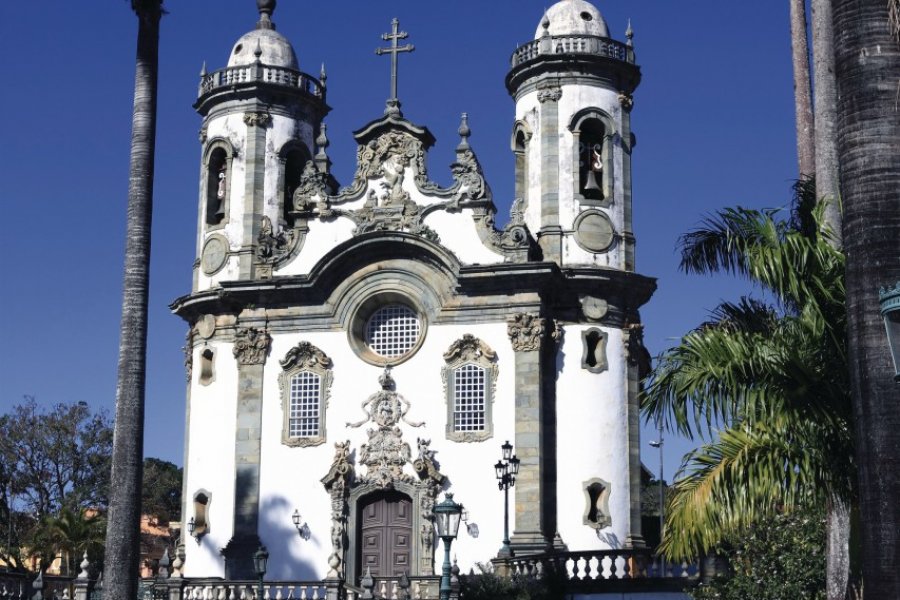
x=587, y=16
x=392, y=330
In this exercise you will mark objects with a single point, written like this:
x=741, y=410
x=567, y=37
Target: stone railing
x=260, y=73
x=392, y=588
x=203, y=589
x=20, y=586
x=596, y=569
x=572, y=44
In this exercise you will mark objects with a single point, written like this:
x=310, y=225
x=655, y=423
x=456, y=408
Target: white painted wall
x=591, y=441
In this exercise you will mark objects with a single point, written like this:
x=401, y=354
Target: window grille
x=469, y=383
x=305, y=397
x=393, y=331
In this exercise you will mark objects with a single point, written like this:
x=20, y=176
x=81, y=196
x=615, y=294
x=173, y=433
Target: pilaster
x=627, y=102
x=527, y=333
x=251, y=347
x=637, y=362
x=550, y=234
x=255, y=174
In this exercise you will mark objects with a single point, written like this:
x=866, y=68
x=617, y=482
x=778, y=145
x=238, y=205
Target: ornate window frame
x=304, y=357
x=212, y=145
x=610, y=134
x=363, y=313
x=594, y=343
x=469, y=350
x=201, y=500
x=596, y=499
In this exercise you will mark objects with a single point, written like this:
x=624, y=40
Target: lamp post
x=447, y=514
x=260, y=558
x=662, y=503
x=889, y=298
x=506, y=470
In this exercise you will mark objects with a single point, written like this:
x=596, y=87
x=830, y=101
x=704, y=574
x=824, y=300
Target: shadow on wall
x=280, y=536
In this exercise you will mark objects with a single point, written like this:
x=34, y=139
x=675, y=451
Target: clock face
x=215, y=252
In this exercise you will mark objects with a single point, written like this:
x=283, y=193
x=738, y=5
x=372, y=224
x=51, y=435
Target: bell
x=590, y=182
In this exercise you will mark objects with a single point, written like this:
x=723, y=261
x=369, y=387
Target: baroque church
x=357, y=351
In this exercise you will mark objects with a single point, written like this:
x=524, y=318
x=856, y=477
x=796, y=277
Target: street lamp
x=260, y=559
x=302, y=530
x=889, y=299
x=447, y=514
x=662, y=503
x=506, y=470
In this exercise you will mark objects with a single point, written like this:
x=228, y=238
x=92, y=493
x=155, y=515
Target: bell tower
x=572, y=137
x=262, y=123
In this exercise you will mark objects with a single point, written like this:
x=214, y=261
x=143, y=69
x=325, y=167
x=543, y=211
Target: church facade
x=355, y=352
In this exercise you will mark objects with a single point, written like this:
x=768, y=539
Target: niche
x=593, y=342
x=217, y=181
x=521, y=135
x=596, y=510
x=207, y=366
x=201, y=514
x=592, y=160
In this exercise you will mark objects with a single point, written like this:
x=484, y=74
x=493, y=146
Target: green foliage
x=778, y=558
x=161, y=493
x=764, y=383
x=487, y=585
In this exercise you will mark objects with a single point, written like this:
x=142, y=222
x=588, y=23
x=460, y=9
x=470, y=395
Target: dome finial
x=545, y=22
x=629, y=34
x=464, y=133
x=266, y=8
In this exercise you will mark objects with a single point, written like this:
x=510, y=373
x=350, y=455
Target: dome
x=573, y=17
x=276, y=50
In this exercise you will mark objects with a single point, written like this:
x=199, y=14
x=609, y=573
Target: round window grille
x=392, y=330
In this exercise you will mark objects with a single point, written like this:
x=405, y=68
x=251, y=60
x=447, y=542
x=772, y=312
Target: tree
x=161, y=497
x=765, y=383
x=71, y=534
x=778, y=558
x=52, y=461
x=123, y=530
x=867, y=67
x=806, y=144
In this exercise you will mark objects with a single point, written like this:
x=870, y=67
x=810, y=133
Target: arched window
x=217, y=183
x=521, y=137
x=592, y=132
x=305, y=386
x=469, y=375
x=294, y=157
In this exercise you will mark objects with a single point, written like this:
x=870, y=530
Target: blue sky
x=713, y=119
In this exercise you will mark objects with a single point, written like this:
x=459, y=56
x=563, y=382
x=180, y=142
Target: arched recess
x=593, y=131
x=216, y=182
x=292, y=157
x=521, y=137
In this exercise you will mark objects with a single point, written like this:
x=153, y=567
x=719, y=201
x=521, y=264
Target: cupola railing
x=572, y=44
x=259, y=73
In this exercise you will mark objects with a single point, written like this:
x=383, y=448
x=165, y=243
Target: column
x=550, y=234
x=255, y=166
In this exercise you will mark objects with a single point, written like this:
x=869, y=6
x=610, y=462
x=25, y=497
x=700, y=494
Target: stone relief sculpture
x=386, y=408
x=251, y=346
x=337, y=483
x=526, y=331
x=272, y=247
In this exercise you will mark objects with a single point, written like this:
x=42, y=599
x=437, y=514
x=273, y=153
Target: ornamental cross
x=395, y=36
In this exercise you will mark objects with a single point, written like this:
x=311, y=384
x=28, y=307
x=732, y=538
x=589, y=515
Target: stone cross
x=395, y=36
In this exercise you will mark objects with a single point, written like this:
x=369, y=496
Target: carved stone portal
x=385, y=456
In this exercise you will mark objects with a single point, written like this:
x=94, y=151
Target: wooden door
x=385, y=534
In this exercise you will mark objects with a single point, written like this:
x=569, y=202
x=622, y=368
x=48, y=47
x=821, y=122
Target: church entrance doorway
x=385, y=534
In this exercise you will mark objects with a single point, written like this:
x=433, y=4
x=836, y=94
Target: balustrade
x=572, y=44
x=234, y=76
x=599, y=565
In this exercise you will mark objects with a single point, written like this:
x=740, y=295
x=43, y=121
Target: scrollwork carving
x=251, y=346
x=272, y=247
x=526, y=331
x=313, y=184
x=257, y=119
x=337, y=483
x=550, y=94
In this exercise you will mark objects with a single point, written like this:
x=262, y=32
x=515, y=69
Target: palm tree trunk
x=867, y=66
x=123, y=528
x=837, y=549
x=827, y=175
x=806, y=146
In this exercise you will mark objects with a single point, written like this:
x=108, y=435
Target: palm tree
x=806, y=145
x=764, y=383
x=72, y=533
x=867, y=67
x=123, y=530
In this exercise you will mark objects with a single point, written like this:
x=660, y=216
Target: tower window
x=305, y=385
x=295, y=158
x=217, y=187
x=591, y=160
x=470, y=376
x=594, y=347
x=207, y=366
x=593, y=133
x=596, y=510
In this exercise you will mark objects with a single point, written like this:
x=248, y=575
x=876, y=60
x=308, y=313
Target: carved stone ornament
x=304, y=357
x=189, y=355
x=626, y=100
x=337, y=483
x=635, y=351
x=310, y=195
x=203, y=135
x=272, y=247
x=470, y=351
x=385, y=408
x=257, y=119
x=526, y=331
x=251, y=346
x=550, y=94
